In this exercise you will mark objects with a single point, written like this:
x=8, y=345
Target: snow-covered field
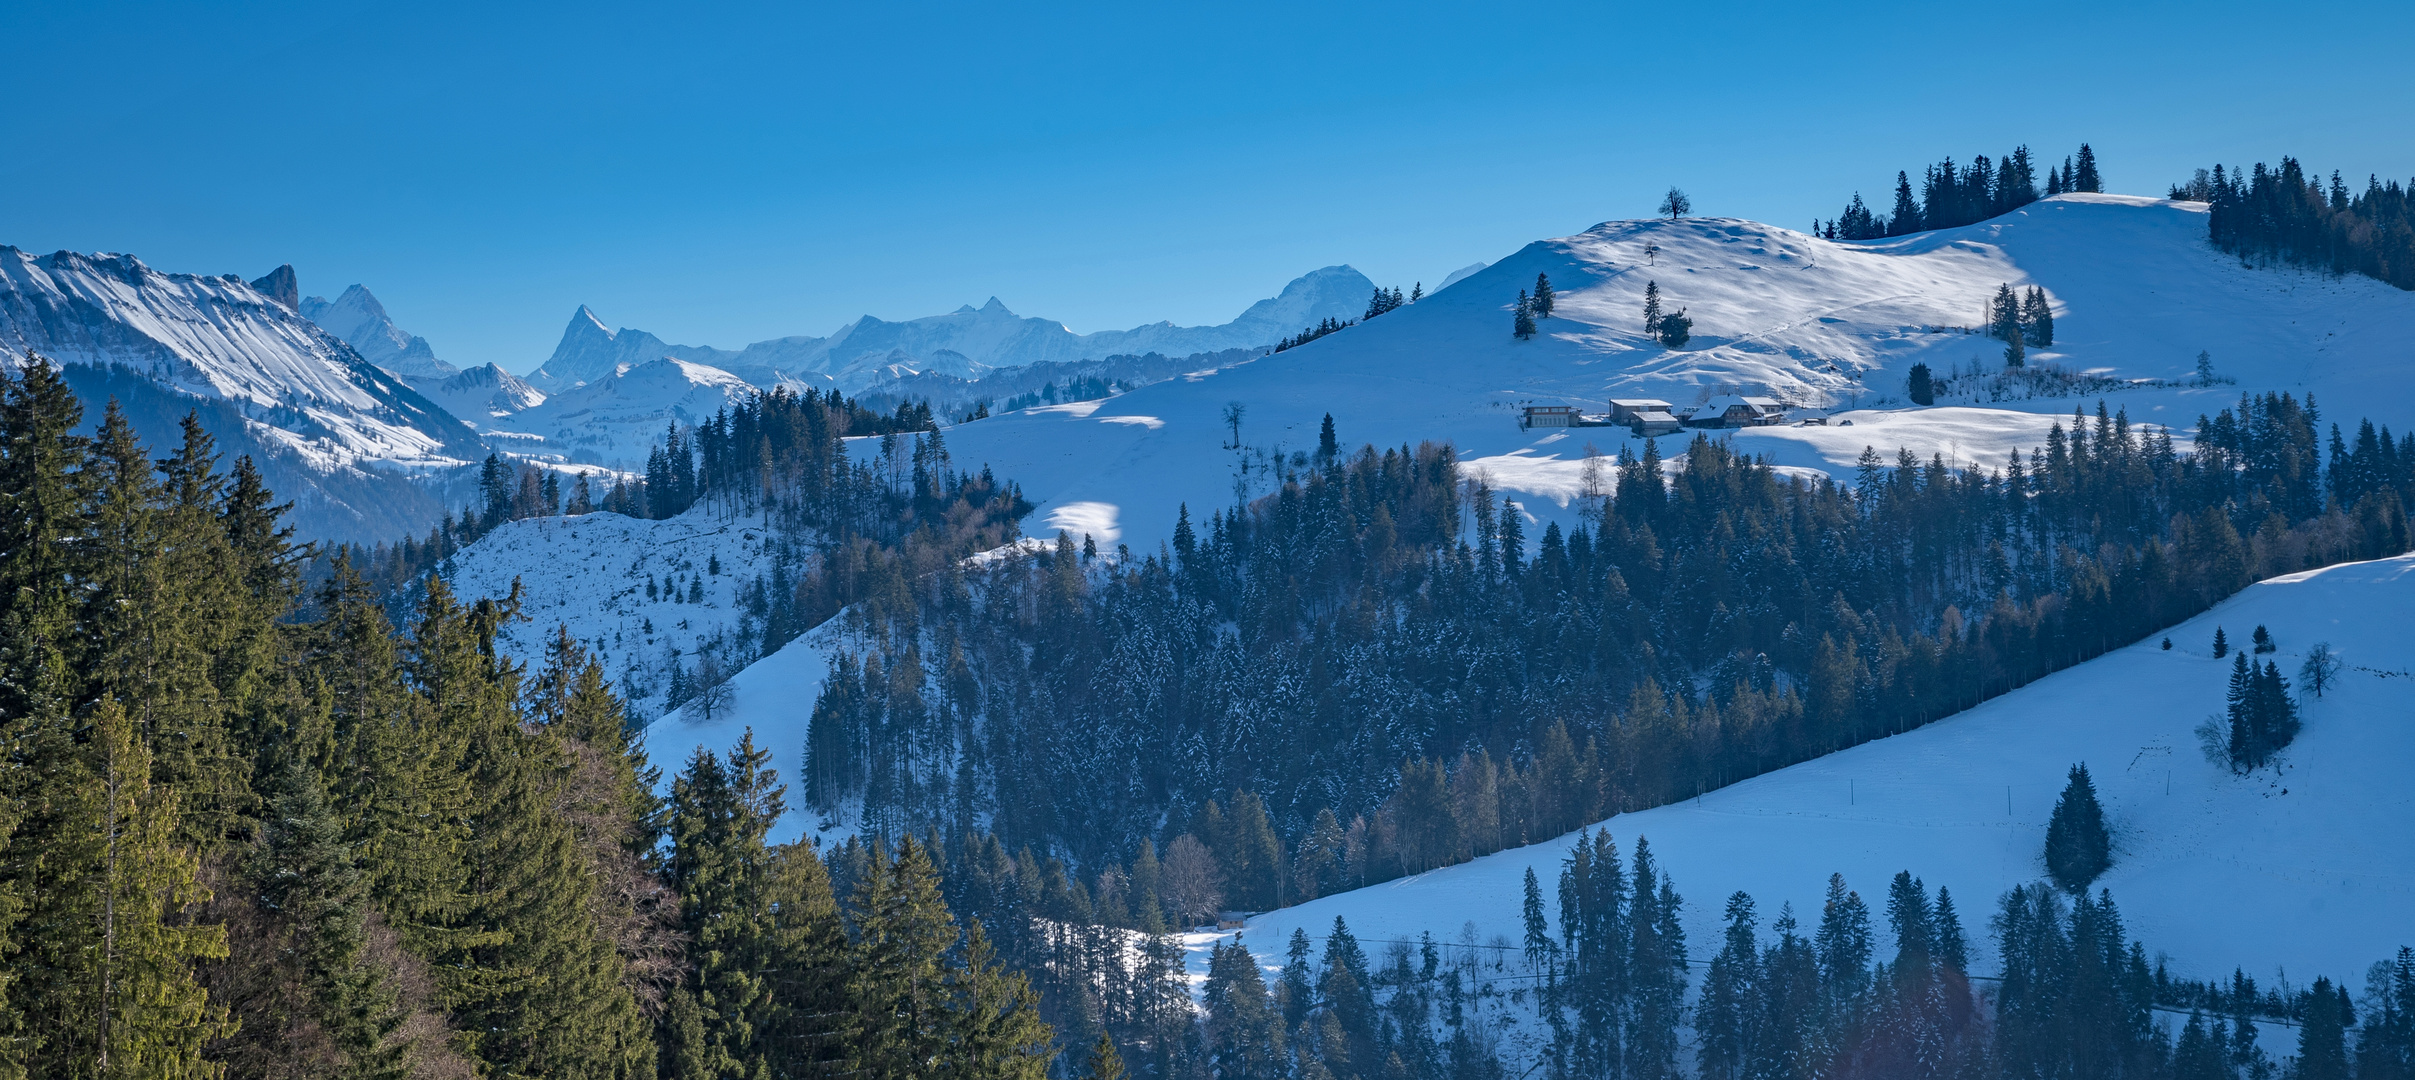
x=2300, y=869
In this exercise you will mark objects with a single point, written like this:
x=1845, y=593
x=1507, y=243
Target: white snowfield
x=2137, y=293
x=2300, y=869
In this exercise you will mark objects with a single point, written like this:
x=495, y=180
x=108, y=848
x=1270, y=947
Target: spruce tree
x=2222, y=647
x=2037, y=319
x=2086, y=177
x=1652, y=308
x=1327, y=446
x=1105, y=1062
x=108, y=955
x=1906, y=217
x=1919, y=388
x=2078, y=849
x=1542, y=304
x=1523, y=326
x=2322, y=1037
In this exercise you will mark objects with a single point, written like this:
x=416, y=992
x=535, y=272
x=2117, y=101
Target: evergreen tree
x=2322, y=1036
x=1726, y=1016
x=2085, y=177
x=2037, y=319
x=2222, y=647
x=2078, y=848
x=1542, y=302
x=1105, y=1063
x=1244, y=1030
x=1906, y=217
x=106, y=955
x=1327, y=446
x=1676, y=329
x=1652, y=308
x=1919, y=388
x=1523, y=326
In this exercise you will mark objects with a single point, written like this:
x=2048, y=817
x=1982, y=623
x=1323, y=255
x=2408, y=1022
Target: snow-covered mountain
x=362, y=322
x=963, y=343
x=330, y=429
x=614, y=421
x=482, y=396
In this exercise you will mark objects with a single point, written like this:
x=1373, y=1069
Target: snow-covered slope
x=2302, y=867
x=590, y=574
x=482, y=397
x=615, y=420
x=222, y=339
x=2138, y=293
x=362, y=322
x=963, y=343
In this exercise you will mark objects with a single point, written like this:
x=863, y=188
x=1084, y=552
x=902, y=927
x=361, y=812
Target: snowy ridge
x=220, y=338
x=362, y=323
x=963, y=343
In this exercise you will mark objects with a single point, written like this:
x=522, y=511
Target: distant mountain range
x=373, y=434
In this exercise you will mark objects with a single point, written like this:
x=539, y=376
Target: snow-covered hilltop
x=1829, y=327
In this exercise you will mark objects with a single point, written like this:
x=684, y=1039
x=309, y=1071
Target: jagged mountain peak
x=361, y=321
x=282, y=286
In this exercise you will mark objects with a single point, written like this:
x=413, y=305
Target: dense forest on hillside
x=1379, y=668
x=2287, y=216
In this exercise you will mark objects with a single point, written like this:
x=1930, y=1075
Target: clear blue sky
x=723, y=173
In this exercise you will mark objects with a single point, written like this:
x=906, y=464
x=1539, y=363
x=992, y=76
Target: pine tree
x=1919, y=388
x=1729, y=1010
x=1105, y=1063
x=2262, y=641
x=1652, y=308
x=1523, y=326
x=2222, y=647
x=2037, y=319
x=1542, y=303
x=2085, y=178
x=1906, y=217
x=2078, y=849
x=1327, y=446
x=109, y=958
x=2322, y=1038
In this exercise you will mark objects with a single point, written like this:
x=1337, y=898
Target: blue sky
x=723, y=173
